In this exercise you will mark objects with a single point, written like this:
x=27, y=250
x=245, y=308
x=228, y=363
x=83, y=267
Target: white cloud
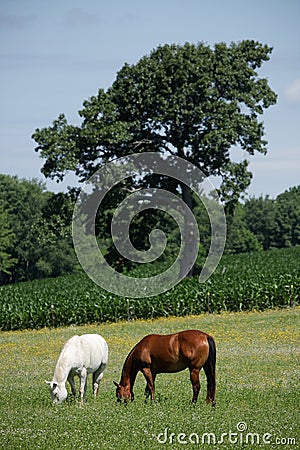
x=292, y=92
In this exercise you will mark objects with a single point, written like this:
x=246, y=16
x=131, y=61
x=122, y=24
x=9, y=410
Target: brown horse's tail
x=210, y=371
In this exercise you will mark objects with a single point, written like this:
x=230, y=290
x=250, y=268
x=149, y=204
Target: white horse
x=80, y=356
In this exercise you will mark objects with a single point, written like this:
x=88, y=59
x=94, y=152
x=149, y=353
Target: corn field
x=242, y=282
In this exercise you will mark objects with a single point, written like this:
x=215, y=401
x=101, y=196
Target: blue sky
x=55, y=54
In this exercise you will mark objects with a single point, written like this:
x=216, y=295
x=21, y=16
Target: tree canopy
x=188, y=100
x=35, y=231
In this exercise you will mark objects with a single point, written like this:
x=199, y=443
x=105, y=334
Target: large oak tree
x=192, y=101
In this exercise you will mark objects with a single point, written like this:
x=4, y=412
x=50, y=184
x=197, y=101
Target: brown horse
x=171, y=353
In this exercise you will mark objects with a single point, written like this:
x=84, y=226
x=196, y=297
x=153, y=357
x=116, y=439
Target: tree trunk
x=188, y=236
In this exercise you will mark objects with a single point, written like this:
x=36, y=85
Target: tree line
x=36, y=239
x=35, y=232
x=191, y=101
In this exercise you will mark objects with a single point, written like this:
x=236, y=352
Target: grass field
x=257, y=388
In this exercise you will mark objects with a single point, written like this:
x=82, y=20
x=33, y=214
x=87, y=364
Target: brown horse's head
x=123, y=393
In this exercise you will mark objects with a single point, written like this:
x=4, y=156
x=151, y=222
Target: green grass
x=241, y=282
x=257, y=383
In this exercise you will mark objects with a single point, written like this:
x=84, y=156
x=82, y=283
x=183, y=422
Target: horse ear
x=116, y=384
x=47, y=382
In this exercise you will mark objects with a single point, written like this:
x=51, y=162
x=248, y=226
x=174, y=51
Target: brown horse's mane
x=127, y=362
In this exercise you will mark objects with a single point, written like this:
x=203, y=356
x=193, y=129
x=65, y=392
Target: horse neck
x=129, y=371
x=62, y=368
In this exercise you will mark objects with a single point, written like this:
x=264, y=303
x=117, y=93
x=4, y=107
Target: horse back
x=88, y=350
x=94, y=346
x=173, y=352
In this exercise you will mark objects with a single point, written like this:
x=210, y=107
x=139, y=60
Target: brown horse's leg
x=147, y=391
x=150, y=382
x=194, y=377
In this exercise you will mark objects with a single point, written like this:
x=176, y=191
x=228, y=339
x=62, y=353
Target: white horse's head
x=58, y=392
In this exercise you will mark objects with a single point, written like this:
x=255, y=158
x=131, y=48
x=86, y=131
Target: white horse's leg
x=97, y=376
x=82, y=389
x=72, y=384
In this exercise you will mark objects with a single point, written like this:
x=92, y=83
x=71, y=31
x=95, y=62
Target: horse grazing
x=80, y=356
x=171, y=353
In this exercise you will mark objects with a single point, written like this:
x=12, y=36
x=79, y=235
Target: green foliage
x=239, y=238
x=236, y=179
x=6, y=242
x=36, y=241
x=22, y=201
x=38, y=224
x=193, y=101
x=275, y=222
x=241, y=282
x=288, y=217
x=188, y=100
